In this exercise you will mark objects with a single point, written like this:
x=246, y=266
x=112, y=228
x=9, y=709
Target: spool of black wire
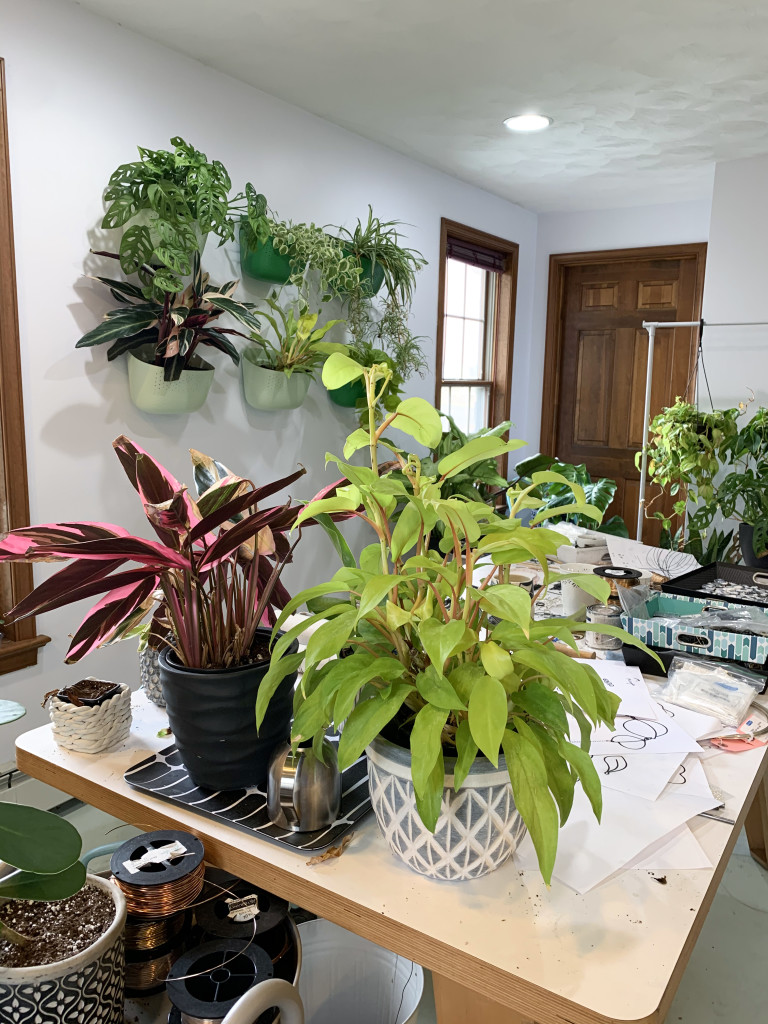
x=205, y=983
x=222, y=892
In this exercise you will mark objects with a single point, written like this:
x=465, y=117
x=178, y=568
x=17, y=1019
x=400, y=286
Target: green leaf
x=542, y=704
x=507, y=602
x=590, y=511
x=585, y=727
x=496, y=661
x=37, y=841
x=440, y=639
x=488, y=716
x=586, y=771
x=475, y=451
x=357, y=439
x=435, y=688
x=562, y=783
x=354, y=678
x=407, y=529
x=466, y=750
x=429, y=800
x=367, y=720
x=427, y=766
x=328, y=639
x=135, y=248
x=278, y=669
x=375, y=590
x=27, y=885
x=347, y=501
x=530, y=789
x=339, y=370
x=420, y=420
x=337, y=539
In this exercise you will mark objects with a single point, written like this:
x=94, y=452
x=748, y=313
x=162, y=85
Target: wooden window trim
x=22, y=642
x=558, y=266
x=500, y=401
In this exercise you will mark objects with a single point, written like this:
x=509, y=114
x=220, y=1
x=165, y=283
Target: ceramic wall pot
x=268, y=389
x=263, y=262
x=478, y=829
x=746, y=534
x=149, y=670
x=347, y=395
x=211, y=713
x=150, y=393
x=87, y=987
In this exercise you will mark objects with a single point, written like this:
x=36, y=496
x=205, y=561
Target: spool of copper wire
x=160, y=873
x=616, y=577
x=143, y=977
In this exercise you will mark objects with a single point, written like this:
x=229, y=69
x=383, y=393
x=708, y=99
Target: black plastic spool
x=211, y=914
x=157, y=874
x=216, y=988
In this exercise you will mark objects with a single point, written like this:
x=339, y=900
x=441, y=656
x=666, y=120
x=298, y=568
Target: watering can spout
x=264, y=996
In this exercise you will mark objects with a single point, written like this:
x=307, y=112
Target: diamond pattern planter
x=478, y=829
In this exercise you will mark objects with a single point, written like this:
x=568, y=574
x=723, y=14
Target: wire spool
x=147, y=973
x=165, y=887
x=212, y=914
x=205, y=983
x=143, y=934
x=617, y=577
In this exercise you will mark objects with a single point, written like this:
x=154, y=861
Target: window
x=19, y=648
x=478, y=276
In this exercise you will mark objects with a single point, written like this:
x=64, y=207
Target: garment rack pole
x=650, y=326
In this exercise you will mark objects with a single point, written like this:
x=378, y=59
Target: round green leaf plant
x=426, y=655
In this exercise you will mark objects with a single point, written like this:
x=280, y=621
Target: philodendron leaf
x=542, y=705
x=590, y=511
x=427, y=766
x=477, y=450
x=440, y=639
x=488, y=716
x=507, y=602
x=562, y=782
x=593, y=585
x=37, y=841
x=339, y=370
x=496, y=661
x=328, y=639
x=466, y=750
x=581, y=761
x=530, y=789
x=357, y=439
x=421, y=420
x=435, y=688
x=429, y=800
x=407, y=528
x=367, y=720
x=26, y=885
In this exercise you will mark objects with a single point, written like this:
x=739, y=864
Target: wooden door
x=597, y=351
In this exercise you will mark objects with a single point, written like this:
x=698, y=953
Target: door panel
x=601, y=358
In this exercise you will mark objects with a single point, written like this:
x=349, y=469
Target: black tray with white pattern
x=165, y=776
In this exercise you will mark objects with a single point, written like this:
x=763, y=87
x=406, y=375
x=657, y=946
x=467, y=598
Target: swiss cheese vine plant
x=461, y=664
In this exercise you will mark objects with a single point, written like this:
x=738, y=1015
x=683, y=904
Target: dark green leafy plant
x=425, y=652
x=174, y=326
x=379, y=242
x=555, y=494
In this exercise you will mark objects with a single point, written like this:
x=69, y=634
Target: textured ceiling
x=645, y=96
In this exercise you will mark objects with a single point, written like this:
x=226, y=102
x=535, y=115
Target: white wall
x=592, y=231
x=82, y=93
x=736, y=285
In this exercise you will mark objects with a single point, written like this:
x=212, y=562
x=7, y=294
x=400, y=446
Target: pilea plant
x=425, y=654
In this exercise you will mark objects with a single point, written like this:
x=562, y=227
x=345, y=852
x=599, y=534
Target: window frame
x=500, y=382
x=21, y=642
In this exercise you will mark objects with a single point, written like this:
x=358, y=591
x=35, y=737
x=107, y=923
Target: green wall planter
x=263, y=262
x=268, y=389
x=150, y=393
x=371, y=278
x=348, y=394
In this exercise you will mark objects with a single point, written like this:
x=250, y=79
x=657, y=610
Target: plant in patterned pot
x=61, y=931
x=466, y=723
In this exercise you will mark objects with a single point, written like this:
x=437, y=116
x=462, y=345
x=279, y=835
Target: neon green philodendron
x=463, y=664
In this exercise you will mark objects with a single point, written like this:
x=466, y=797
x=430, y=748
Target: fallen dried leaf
x=164, y=732
x=332, y=851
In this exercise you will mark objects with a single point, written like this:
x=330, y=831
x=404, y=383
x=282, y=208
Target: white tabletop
x=607, y=955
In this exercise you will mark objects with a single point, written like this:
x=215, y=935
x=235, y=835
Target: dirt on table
x=56, y=930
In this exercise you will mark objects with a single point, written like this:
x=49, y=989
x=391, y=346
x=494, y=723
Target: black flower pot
x=746, y=534
x=212, y=715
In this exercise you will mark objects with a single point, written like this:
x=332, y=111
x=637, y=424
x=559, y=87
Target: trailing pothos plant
x=217, y=563
x=425, y=655
x=173, y=327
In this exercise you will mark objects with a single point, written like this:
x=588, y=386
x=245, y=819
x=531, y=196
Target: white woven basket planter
x=478, y=829
x=90, y=730
x=149, y=670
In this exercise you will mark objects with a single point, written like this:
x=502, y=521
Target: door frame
x=559, y=264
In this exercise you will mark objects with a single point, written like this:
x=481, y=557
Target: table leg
x=455, y=1004
x=756, y=825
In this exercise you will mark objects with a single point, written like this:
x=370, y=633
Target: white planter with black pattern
x=83, y=989
x=478, y=829
x=149, y=670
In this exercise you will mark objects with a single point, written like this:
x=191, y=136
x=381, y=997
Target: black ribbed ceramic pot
x=212, y=715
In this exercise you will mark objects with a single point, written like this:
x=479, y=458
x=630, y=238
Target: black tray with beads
x=164, y=775
x=752, y=581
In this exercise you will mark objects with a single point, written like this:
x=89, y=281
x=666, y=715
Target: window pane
x=455, y=274
x=467, y=405
x=474, y=303
x=453, y=344
x=474, y=343
x=477, y=413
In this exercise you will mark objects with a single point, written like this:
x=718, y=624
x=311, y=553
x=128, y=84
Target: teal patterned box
x=714, y=642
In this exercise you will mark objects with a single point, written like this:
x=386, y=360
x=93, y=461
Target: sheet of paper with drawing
x=637, y=774
x=628, y=684
x=631, y=554
x=639, y=736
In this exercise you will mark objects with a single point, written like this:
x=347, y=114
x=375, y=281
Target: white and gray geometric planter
x=86, y=988
x=149, y=670
x=478, y=829
x=90, y=730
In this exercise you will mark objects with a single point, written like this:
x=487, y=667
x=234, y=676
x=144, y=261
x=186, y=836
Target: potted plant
x=217, y=562
x=277, y=372
x=743, y=493
x=445, y=703
x=61, y=932
x=162, y=336
x=377, y=247
x=599, y=493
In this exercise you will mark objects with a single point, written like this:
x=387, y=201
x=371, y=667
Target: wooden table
x=502, y=948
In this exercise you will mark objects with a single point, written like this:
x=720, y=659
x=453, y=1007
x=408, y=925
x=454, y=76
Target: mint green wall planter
x=150, y=393
x=268, y=389
x=263, y=263
x=348, y=394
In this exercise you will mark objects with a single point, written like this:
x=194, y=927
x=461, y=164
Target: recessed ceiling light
x=528, y=122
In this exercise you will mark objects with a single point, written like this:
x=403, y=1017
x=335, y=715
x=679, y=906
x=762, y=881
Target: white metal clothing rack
x=650, y=326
